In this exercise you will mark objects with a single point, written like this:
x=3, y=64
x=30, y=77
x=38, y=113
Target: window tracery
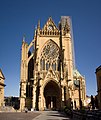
x=50, y=54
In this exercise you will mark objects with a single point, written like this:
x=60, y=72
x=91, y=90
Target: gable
x=50, y=23
x=51, y=74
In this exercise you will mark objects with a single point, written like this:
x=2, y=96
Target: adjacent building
x=2, y=85
x=49, y=79
x=98, y=78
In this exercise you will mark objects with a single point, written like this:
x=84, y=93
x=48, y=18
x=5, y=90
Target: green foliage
x=83, y=110
x=68, y=111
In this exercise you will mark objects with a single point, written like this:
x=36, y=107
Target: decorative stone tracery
x=49, y=56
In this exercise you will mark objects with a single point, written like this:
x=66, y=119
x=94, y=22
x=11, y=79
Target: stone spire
x=23, y=39
x=38, y=26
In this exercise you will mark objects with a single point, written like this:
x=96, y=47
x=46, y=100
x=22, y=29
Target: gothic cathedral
x=49, y=79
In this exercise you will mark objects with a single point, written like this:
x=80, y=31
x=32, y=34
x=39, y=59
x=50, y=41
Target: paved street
x=37, y=115
x=17, y=115
x=51, y=115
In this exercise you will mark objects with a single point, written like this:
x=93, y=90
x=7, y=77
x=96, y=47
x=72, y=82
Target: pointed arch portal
x=52, y=94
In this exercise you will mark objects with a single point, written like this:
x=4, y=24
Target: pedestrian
x=26, y=110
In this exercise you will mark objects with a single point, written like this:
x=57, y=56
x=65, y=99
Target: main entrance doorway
x=51, y=102
x=52, y=95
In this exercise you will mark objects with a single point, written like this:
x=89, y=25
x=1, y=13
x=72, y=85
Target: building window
x=42, y=64
x=76, y=83
x=47, y=65
x=58, y=64
x=50, y=53
x=54, y=66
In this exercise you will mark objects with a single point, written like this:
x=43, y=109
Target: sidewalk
x=51, y=115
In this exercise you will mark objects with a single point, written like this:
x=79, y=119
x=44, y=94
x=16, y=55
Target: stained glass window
x=50, y=53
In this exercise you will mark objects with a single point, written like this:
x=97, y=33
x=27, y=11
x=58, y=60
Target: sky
x=20, y=17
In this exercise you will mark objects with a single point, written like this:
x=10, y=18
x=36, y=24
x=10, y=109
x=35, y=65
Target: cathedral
x=48, y=78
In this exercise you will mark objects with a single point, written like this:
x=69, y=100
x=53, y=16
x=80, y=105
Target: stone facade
x=98, y=76
x=49, y=79
x=2, y=85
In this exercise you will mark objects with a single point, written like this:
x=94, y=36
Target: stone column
x=44, y=102
x=34, y=97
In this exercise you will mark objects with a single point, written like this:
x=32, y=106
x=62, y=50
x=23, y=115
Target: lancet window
x=42, y=64
x=49, y=56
